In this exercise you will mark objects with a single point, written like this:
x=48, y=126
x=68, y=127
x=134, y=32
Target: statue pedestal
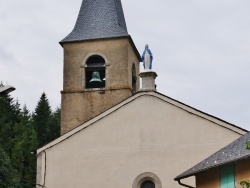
x=148, y=80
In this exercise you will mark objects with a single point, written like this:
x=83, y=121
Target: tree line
x=21, y=133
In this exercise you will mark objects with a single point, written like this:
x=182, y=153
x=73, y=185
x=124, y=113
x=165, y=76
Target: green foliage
x=248, y=144
x=245, y=184
x=54, y=125
x=20, y=135
x=8, y=175
x=9, y=116
x=41, y=120
x=25, y=140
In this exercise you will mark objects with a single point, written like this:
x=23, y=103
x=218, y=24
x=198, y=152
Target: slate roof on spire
x=233, y=152
x=98, y=19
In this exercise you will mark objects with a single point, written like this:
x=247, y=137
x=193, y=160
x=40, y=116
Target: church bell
x=95, y=77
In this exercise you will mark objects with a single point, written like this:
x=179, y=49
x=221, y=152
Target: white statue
x=147, y=58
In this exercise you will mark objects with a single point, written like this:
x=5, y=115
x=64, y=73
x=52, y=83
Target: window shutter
x=227, y=177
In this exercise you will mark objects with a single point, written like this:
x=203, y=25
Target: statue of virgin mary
x=147, y=58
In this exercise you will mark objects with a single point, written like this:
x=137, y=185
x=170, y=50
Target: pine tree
x=25, y=143
x=20, y=135
x=41, y=120
x=9, y=116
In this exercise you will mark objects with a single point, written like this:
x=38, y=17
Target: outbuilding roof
x=98, y=19
x=235, y=151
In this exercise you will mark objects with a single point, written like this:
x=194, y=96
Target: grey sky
x=201, y=50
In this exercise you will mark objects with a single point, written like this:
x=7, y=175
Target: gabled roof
x=231, y=153
x=98, y=19
x=160, y=96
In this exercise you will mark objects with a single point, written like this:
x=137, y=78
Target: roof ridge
x=205, y=113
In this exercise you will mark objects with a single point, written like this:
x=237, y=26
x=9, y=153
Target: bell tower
x=101, y=63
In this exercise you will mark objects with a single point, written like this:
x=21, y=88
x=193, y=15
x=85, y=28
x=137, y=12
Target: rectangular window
x=227, y=177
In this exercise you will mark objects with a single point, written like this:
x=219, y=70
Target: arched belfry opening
x=134, y=78
x=95, y=72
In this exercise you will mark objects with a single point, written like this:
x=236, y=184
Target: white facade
x=146, y=136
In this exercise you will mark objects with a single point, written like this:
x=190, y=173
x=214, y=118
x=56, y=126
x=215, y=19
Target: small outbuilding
x=227, y=168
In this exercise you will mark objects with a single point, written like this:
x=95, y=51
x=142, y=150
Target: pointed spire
x=98, y=19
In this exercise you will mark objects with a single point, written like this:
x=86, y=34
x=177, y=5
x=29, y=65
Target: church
x=116, y=131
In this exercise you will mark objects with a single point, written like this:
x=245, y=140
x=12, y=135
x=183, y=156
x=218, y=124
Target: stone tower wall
x=79, y=104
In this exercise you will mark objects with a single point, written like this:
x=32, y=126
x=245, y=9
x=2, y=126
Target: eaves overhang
x=108, y=38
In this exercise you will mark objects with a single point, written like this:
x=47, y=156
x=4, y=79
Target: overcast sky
x=201, y=50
